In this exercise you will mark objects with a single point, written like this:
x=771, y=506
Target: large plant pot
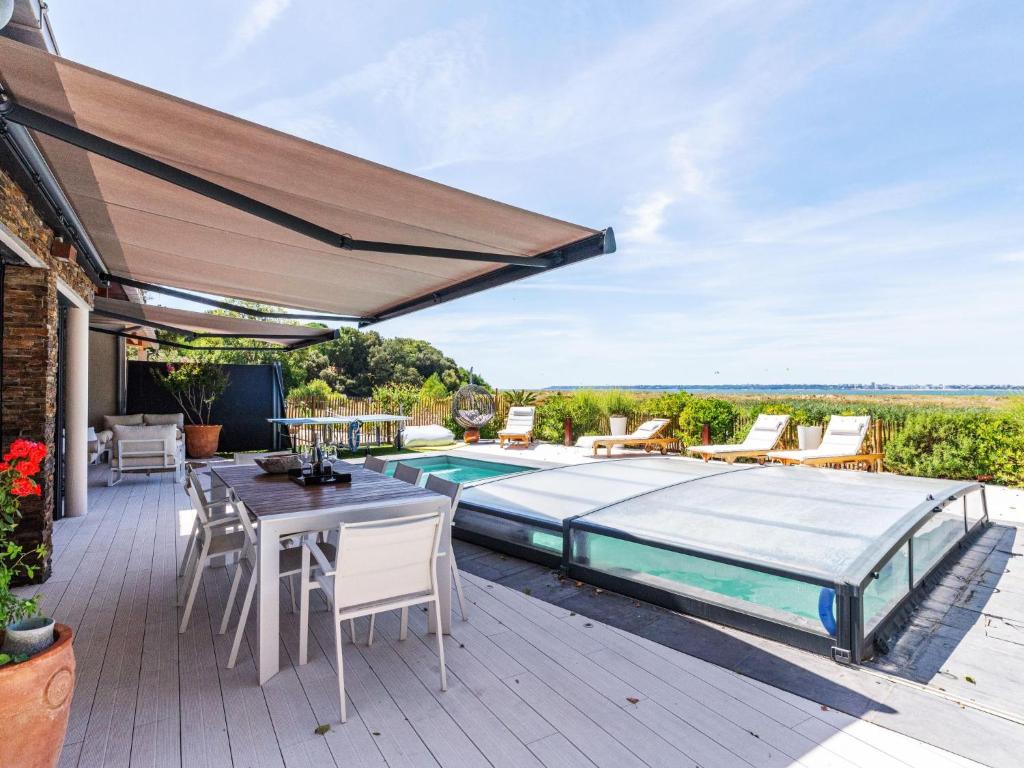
x=35, y=697
x=808, y=438
x=618, y=425
x=201, y=440
x=472, y=435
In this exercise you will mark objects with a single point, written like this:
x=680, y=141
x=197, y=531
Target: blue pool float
x=826, y=599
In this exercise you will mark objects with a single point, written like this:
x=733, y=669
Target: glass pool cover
x=822, y=559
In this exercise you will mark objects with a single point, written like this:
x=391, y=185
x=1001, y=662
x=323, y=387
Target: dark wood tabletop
x=267, y=494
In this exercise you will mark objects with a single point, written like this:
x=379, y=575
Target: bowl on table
x=278, y=465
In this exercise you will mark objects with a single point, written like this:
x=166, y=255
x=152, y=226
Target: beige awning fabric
x=198, y=325
x=150, y=230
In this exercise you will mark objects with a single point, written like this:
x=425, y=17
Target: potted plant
x=37, y=661
x=196, y=387
x=617, y=407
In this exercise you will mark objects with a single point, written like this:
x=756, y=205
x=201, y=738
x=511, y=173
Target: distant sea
x=1001, y=390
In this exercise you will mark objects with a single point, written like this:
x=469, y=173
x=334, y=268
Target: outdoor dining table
x=284, y=508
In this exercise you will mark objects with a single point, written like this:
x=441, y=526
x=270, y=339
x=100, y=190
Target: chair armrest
x=325, y=565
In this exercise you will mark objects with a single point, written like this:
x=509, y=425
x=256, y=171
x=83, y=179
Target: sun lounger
x=842, y=445
x=646, y=436
x=763, y=436
x=518, y=426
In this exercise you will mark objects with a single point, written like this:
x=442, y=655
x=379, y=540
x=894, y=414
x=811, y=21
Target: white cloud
x=260, y=15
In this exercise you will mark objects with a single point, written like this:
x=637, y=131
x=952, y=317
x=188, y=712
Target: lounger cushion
x=153, y=419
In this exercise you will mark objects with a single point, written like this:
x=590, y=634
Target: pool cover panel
x=810, y=556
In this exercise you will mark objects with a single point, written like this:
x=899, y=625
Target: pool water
x=457, y=469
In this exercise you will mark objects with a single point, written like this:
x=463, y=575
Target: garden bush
x=719, y=414
x=961, y=445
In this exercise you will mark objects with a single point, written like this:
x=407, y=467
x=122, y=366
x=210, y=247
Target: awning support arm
x=90, y=142
x=230, y=306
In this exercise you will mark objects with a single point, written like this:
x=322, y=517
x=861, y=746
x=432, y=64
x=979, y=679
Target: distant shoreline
x=803, y=390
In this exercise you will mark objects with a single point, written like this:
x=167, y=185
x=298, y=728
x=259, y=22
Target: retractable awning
x=112, y=313
x=171, y=193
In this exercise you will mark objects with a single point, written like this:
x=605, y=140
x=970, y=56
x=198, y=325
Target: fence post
x=705, y=434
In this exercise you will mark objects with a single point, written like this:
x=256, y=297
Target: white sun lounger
x=518, y=426
x=763, y=436
x=843, y=444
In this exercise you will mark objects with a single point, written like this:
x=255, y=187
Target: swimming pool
x=458, y=469
x=821, y=559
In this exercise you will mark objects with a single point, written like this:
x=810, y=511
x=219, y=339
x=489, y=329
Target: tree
x=433, y=388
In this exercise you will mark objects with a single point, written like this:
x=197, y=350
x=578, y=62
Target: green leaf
x=320, y=730
x=970, y=680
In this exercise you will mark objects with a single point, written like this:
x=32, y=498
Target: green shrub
x=719, y=414
x=396, y=398
x=520, y=397
x=665, y=406
x=961, y=445
x=315, y=389
x=433, y=388
x=550, y=414
x=585, y=410
x=615, y=402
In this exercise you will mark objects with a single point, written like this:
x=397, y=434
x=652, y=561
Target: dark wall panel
x=252, y=397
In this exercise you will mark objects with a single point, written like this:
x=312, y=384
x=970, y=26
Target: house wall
x=103, y=353
x=30, y=309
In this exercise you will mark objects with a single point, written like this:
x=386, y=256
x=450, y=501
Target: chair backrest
x=845, y=434
x=765, y=432
x=408, y=473
x=447, y=488
x=196, y=494
x=386, y=559
x=649, y=429
x=520, y=417
x=374, y=464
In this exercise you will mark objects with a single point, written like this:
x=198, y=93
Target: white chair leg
x=190, y=569
x=403, y=632
x=369, y=638
x=291, y=590
x=440, y=644
x=457, y=577
x=304, y=608
x=243, y=619
x=199, y=568
x=188, y=548
x=231, y=598
x=341, y=670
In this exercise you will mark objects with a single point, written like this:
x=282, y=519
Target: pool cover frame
x=850, y=644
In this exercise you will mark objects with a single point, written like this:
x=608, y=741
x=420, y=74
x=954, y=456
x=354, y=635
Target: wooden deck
x=531, y=684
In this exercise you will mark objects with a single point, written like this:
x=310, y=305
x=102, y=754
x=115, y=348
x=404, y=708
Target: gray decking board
x=529, y=683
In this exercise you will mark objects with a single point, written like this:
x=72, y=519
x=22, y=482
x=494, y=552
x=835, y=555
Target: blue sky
x=801, y=191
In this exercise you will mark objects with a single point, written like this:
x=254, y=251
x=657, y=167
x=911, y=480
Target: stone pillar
x=30, y=388
x=76, y=413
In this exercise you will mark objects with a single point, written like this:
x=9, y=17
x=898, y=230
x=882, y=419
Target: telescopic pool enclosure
x=829, y=561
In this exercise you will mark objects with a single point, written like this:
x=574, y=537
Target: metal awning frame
x=15, y=120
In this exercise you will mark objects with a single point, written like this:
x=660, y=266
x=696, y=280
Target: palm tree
x=518, y=397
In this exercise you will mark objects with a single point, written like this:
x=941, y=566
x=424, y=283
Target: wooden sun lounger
x=647, y=443
x=764, y=435
x=728, y=456
x=864, y=461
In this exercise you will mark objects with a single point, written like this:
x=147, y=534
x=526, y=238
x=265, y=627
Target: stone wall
x=30, y=310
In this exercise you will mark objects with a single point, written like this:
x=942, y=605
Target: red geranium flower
x=22, y=486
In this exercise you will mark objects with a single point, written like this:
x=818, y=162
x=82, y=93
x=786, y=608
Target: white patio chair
x=374, y=464
x=290, y=567
x=453, y=491
x=213, y=538
x=381, y=565
x=407, y=473
x=215, y=510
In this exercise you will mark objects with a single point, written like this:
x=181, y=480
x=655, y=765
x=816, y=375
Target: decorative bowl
x=277, y=465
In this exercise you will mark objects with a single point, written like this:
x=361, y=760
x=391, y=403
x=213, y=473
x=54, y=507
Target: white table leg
x=268, y=594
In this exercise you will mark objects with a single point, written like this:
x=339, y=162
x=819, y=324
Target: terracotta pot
x=35, y=697
x=201, y=440
x=472, y=435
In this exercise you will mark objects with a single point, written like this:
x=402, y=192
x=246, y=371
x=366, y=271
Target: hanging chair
x=472, y=407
